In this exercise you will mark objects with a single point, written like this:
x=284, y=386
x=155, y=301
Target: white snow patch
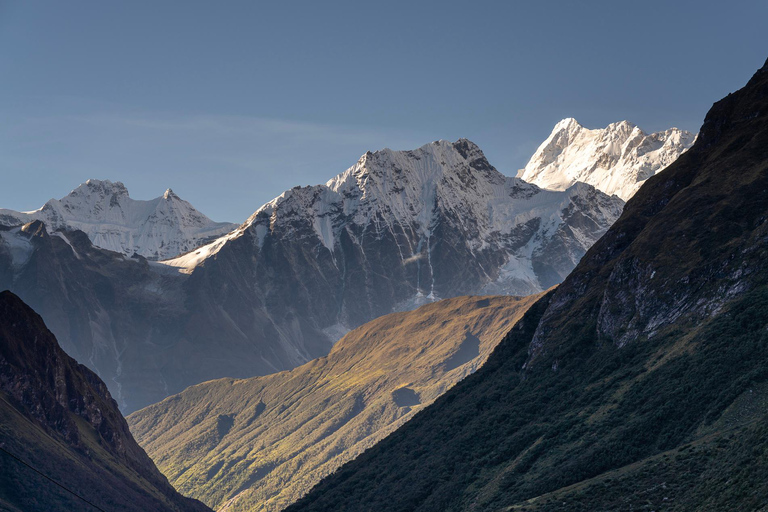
x=186, y=263
x=19, y=246
x=336, y=331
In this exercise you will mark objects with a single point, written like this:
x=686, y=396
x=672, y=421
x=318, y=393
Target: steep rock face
x=59, y=417
x=111, y=312
x=395, y=231
x=616, y=159
x=159, y=228
x=148, y=332
x=402, y=228
x=649, y=359
x=299, y=426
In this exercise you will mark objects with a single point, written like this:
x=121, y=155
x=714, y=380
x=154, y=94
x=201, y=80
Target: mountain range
x=598, y=387
x=159, y=228
x=308, y=421
x=639, y=383
x=396, y=230
x=63, y=443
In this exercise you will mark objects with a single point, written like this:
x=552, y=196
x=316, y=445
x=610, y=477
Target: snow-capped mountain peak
x=156, y=229
x=393, y=187
x=442, y=198
x=395, y=230
x=616, y=159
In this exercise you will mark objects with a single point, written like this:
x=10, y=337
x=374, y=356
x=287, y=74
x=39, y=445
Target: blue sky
x=230, y=103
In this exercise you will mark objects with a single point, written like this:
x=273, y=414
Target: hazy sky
x=230, y=103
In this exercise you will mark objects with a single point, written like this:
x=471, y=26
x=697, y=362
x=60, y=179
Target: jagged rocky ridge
x=616, y=159
x=632, y=384
x=58, y=416
x=394, y=231
x=159, y=228
x=402, y=227
x=259, y=444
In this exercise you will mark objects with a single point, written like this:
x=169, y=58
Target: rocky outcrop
x=58, y=416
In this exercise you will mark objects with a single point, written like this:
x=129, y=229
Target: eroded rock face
x=395, y=231
x=690, y=240
x=49, y=385
x=74, y=410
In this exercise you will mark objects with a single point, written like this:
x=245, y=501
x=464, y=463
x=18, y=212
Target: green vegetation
x=261, y=443
x=723, y=471
x=642, y=377
x=58, y=418
x=495, y=440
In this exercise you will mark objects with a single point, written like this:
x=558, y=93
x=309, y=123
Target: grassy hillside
x=726, y=470
x=642, y=377
x=93, y=473
x=261, y=443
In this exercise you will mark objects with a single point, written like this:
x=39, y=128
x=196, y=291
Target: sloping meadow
x=261, y=443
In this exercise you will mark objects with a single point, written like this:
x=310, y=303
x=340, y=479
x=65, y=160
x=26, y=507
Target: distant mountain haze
x=159, y=228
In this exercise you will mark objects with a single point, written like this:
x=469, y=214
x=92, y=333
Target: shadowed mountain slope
x=649, y=360
x=261, y=443
x=58, y=417
x=394, y=231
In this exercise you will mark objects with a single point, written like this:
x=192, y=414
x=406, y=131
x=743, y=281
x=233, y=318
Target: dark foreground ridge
x=63, y=443
x=640, y=382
